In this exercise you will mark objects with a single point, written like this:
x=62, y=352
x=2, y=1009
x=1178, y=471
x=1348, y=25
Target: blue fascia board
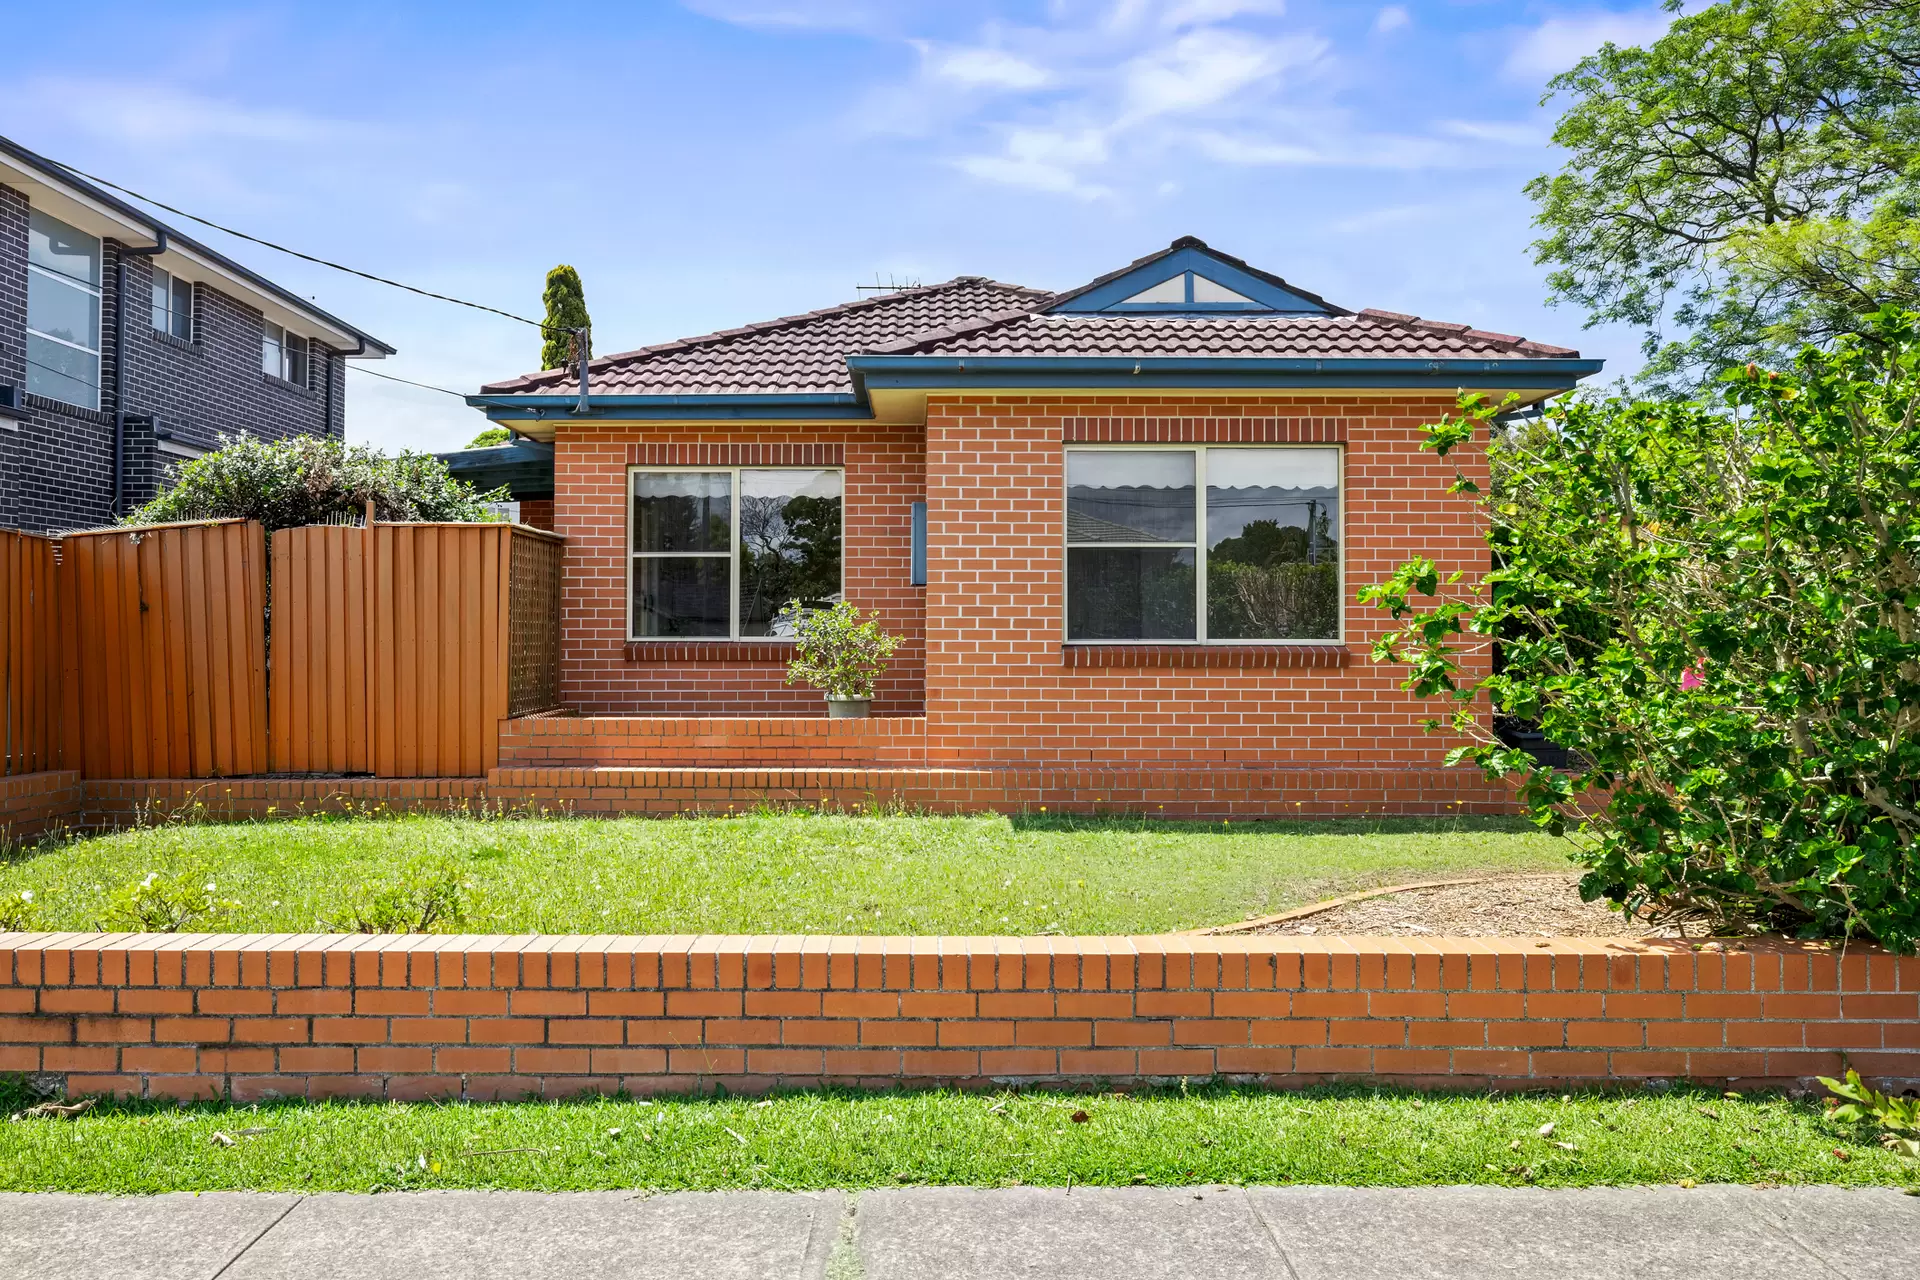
x=1270, y=297
x=680, y=408
x=1227, y=372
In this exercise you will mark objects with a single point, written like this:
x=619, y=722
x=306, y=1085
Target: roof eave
x=679, y=408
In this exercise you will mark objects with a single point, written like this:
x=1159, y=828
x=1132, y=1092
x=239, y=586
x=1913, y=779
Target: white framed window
x=720, y=552
x=1203, y=544
x=63, y=312
x=172, y=305
x=283, y=354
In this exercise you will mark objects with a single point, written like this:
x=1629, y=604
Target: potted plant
x=840, y=653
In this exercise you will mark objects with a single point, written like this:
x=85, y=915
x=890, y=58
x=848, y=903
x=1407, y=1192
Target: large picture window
x=1203, y=545
x=63, y=312
x=721, y=552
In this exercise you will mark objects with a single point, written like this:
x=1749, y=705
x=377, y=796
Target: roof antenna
x=583, y=353
x=891, y=286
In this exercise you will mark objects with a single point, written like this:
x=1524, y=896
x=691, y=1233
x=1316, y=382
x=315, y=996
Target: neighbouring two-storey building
x=126, y=346
x=1121, y=528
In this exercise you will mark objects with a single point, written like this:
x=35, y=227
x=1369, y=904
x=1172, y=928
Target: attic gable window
x=1189, y=289
x=1203, y=545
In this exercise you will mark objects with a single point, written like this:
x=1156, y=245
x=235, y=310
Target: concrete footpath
x=1222, y=1233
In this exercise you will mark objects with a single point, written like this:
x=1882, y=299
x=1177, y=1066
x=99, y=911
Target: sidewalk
x=1817, y=1233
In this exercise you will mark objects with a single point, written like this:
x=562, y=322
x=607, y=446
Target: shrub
x=491, y=438
x=1717, y=609
x=19, y=912
x=167, y=904
x=428, y=894
x=837, y=652
x=287, y=483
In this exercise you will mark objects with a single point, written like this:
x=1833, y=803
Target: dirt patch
x=1543, y=906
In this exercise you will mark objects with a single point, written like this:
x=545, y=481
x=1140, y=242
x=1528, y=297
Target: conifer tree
x=566, y=301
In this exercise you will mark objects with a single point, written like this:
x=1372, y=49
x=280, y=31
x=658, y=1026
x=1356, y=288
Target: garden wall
x=401, y=1016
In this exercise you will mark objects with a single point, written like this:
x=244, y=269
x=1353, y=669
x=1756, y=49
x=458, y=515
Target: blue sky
x=713, y=162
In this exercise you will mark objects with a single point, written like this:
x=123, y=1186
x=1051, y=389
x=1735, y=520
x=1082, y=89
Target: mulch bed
x=1537, y=906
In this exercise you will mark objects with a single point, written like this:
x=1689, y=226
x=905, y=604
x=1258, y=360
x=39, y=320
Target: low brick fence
x=32, y=804
x=491, y=1017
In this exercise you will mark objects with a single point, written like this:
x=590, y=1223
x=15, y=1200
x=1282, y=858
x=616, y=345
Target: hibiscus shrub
x=1716, y=607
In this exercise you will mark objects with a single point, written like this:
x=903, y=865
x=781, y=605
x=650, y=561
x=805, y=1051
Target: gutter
x=120, y=362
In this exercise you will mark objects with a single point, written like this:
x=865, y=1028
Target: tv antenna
x=891, y=285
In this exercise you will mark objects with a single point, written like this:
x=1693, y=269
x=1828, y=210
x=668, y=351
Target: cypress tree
x=566, y=301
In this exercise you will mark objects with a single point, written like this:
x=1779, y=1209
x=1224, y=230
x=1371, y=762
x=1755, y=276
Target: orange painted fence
x=29, y=655
x=398, y=648
x=164, y=650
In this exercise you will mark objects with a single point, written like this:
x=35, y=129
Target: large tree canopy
x=1747, y=183
x=566, y=302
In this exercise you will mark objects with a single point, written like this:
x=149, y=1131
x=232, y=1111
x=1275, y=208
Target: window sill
x=1260, y=656
x=760, y=652
x=191, y=348
x=47, y=404
x=291, y=388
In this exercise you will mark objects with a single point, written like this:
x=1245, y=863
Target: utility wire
x=360, y=368
x=305, y=257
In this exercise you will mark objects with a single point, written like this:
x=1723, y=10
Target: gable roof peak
x=1190, y=277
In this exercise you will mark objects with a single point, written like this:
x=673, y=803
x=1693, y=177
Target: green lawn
x=808, y=1140
x=781, y=873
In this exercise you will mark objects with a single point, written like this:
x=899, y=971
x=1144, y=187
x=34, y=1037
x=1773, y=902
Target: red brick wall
x=884, y=477
x=1001, y=691
x=32, y=804
x=166, y=1015
x=537, y=512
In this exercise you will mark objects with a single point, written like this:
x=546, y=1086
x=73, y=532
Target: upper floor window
x=63, y=312
x=722, y=552
x=172, y=305
x=1203, y=544
x=283, y=354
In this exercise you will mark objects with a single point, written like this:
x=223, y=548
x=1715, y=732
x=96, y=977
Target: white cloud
x=1195, y=13
x=1203, y=68
x=821, y=15
x=155, y=114
x=1044, y=160
x=1391, y=19
x=1506, y=133
x=1559, y=42
x=984, y=68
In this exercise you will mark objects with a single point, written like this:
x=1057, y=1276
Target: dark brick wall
x=56, y=464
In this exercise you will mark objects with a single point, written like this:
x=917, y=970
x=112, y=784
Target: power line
x=360, y=368
x=305, y=257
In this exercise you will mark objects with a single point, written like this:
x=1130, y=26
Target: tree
x=287, y=483
x=1716, y=608
x=1747, y=183
x=491, y=438
x=566, y=301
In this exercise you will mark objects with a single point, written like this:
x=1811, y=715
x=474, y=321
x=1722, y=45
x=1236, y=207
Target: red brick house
x=1121, y=529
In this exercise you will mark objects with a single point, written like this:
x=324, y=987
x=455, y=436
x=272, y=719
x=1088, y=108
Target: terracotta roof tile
x=1370, y=333
x=803, y=353
x=972, y=315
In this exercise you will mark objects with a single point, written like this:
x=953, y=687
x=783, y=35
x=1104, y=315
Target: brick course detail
x=399, y=1016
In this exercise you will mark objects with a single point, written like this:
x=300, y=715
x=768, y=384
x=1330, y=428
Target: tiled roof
x=804, y=353
x=1370, y=333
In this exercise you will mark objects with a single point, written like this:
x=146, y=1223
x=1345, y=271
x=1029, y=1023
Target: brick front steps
x=398, y=1016
x=789, y=742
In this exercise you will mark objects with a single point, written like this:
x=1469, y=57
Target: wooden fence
x=398, y=648
x=29, y=654
x=164, y=650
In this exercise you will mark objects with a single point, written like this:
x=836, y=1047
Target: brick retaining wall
x=490, y=1017
x=32, y=804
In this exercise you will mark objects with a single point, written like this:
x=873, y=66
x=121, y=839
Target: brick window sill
x=1260, y=656
x=755, y=652
x=291, y=388
x=47, y=404
x=184, y=345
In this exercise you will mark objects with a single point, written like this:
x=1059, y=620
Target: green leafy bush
x=167, y=904
x=427, y=895
x=836, y=651
x=491, y=438
x=1855, y=1101
x=1717, y=607
x=19, y=912
x=287, y=483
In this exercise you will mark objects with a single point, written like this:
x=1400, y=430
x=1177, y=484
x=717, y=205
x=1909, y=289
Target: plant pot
x=839, y=708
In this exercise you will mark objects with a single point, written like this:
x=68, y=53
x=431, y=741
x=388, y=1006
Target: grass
x=799, y=1141
x=777, y=873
